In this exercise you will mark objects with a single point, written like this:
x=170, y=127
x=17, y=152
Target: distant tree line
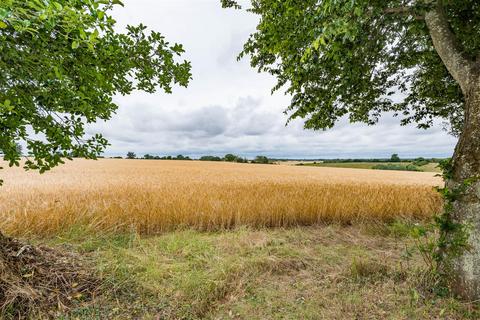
x=178, y=157
x=132, y=155
x=261, y=159
x=234, y=158
x=210, y=158
x=227, y=158
x=394, y=158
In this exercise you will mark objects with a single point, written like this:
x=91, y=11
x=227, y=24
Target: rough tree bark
x=466, y=210
x=466, y=158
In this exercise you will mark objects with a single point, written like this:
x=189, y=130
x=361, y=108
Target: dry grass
x=36, y=280
x=319, y=272
x=154, y=196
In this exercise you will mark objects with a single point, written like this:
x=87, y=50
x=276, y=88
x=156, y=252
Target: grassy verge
x=431, y=167
x=321, y=272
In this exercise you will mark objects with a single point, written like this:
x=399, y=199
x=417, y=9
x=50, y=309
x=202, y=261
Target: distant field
x=149, y=197
x=431, y=167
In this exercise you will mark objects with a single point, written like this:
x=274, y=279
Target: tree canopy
x=261, y=159
x=361, y=58
x=62, y=62
x=395, y=158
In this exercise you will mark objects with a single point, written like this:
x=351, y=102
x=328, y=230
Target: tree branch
x=448, y=48
x=404, y=11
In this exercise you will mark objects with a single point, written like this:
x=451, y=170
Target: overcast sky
x=228, y=106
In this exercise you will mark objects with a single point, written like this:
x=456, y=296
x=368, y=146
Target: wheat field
x=148, y=196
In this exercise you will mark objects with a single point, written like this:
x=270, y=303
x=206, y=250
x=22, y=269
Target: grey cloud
x=228, y=106
x=209, y=121
x=204, y=122
x=250, y=127
x=245, y=118
x=248, y=118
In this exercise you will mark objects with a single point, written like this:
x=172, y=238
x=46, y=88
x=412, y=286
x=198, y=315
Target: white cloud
x=228, y=106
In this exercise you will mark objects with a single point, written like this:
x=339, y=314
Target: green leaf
x=94, y=35
x=82, y=33
x=3, y=25
x=58, y=6
x=57, y=72
x=4, y=13
x=358, y=11
x=118, y=2
x=75, y=44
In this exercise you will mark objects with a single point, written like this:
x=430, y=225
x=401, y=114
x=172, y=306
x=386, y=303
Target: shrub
x=396, y=167
x=395, y=158
x=210, y=158
x=419, y=162
x=230, y=157
x=261, y=159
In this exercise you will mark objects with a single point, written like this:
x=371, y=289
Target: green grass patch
x=403, y=166
x=328, y=272
x=398, y=167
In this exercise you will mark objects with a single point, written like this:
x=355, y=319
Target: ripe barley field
x=148, y=196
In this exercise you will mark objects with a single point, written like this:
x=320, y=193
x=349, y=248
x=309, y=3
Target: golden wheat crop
x=153, y=196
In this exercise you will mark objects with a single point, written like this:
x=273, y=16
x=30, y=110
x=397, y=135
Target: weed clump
x=40, y=279
x=363, y=269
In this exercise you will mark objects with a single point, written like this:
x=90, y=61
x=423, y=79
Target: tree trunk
x=466, y=159
x=466, y=210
